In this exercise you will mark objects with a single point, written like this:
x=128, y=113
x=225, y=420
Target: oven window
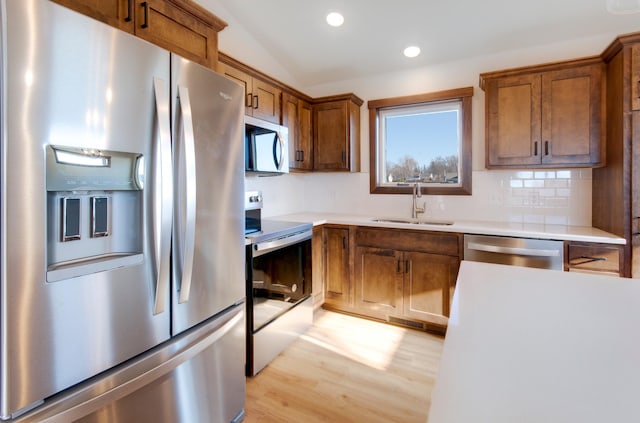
x=281, y=279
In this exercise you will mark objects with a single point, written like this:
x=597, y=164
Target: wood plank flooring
x=347, y=369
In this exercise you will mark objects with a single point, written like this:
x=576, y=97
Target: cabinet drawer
x=594, y=258
x=408, y=240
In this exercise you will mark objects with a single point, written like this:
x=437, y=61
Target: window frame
x=464, y=95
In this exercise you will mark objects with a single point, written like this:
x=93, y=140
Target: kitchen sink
x=412, y=221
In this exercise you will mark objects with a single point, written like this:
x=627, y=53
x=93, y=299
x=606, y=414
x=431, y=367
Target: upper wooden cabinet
x=324, y=133
x=179, y=26
x=336, y=143
x=545, y=116
x=635, y=77
x=297, y=115
x=262, y=99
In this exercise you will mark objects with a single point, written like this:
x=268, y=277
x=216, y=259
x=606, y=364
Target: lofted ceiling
x=376, y=31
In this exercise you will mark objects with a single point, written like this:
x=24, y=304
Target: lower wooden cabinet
x=428, y=285
x=588, y=257
x=336, y=267
x=378, y=281
x=400, y=276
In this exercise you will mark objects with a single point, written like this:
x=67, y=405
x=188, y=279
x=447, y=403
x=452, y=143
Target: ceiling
x=376, y=31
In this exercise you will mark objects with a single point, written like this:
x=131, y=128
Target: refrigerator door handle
x=163, y=196
x=188, y=237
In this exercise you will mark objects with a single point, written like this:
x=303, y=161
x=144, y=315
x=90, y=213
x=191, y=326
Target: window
x=424, y=138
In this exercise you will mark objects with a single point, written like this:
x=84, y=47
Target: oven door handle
x=265, y=247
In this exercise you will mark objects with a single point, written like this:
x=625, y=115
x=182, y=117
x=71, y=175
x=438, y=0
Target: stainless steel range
x=279, y=306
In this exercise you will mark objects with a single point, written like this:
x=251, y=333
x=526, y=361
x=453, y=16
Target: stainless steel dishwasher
x=527, y=252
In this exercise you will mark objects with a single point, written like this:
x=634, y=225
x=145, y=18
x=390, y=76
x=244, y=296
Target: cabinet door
x=429, y=282
x=513, y=121
x=172, y=28
x=245, y=80
x=296, y=115
x=317, y=266
x=572, y=116
x=378, y=281
x=331, y=136
x=305, y=133
x=117, y=13
x=266, y=101
x=291, y=120
x=635, y=77
x=336, y=267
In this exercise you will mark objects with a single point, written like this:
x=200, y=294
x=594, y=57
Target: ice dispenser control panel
x=94, y=208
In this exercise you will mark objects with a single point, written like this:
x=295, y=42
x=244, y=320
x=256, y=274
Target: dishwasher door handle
x=533, y=252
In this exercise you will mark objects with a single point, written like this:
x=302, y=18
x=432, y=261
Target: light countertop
x=532, y=345
x=523, y=230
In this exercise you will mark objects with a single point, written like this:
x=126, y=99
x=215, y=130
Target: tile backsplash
x=541, y=196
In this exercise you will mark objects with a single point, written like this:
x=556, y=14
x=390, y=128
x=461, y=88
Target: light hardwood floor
x=347, y=369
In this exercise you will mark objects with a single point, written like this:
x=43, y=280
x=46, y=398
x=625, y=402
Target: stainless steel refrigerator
x=122, y=230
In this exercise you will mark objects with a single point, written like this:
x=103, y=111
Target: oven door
x=281, y=277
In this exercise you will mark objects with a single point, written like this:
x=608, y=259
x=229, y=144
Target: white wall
x=550, y=196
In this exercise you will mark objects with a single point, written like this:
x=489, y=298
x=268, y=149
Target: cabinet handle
x=342, y=156
x=255, y=97
x=635, y=230
x=302, y=155
x=546, y=148
x=585, y=259
x=249, y=102
x=398, y=269
x=145, y=7
x=406, y=266
x=344, y=243
x=535, y=148
x=129, y=11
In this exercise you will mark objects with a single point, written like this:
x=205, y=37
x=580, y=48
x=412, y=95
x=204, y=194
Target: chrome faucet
x=415, y=210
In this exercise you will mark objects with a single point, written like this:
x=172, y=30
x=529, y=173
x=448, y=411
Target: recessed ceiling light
x=623, y=7
x=335, y=19
x=412, y=51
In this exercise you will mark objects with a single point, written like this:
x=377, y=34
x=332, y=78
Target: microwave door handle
x=278, y=158
x=188, y=237
x=162, y=191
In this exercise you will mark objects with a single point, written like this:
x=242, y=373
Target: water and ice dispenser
x=94, y=211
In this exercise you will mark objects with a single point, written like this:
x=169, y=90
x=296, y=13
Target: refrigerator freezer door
x=196, y=377
x=208, y=166
x=71, y=81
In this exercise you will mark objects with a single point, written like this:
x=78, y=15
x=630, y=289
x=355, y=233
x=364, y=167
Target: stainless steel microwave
x=266, y=147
